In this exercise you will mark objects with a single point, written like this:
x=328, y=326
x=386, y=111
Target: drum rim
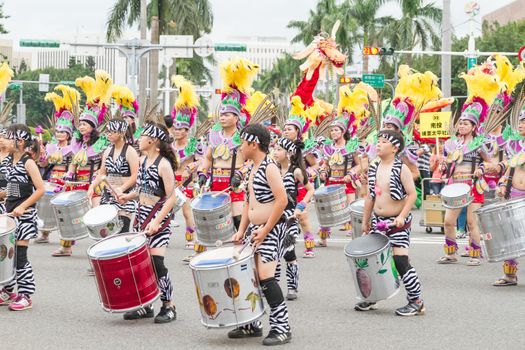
x=91, y=257
x=503, y=203
x=101, y=223
x=387, y=245
x=196, y=200
x=218, y=267
x=340, y=186
x=9, y=231
x=73, y=202
x=132, y=308
x=235, y=324
x=459, y=207
x=10, y=279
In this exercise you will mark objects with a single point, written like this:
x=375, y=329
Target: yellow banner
x=434, y=124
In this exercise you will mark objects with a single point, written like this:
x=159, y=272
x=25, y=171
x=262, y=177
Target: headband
x=250, y=137
x=288, y=145
x=19, y=135
x=117, y=125
x=391, y=138
x=155, y=132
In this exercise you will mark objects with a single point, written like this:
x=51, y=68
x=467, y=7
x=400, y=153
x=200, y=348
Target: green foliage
x=3, y=16
x=37, y=110
x=284, y=75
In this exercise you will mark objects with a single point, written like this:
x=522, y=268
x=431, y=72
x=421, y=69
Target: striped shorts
x=26, y=225
x=161, y=238
x=272, y=248
x=399, y=239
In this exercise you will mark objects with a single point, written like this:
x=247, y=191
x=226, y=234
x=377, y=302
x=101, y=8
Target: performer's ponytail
x=297, y=160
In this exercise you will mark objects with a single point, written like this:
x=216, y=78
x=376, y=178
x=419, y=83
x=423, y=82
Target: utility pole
x=143, y=71
x=446, y=33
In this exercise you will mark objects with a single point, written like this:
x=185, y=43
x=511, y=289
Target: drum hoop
x=220, y=267
x=100, y=223
x=375, y=252
x=78, y=201
x=458, y=207
x=9, y=231
x=127, y=252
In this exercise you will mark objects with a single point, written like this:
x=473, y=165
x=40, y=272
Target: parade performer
x=119, y=168
x=288, y=155
x=464, y=157
x=184, y=115
x=512, y=184
x=155, y=191
x=340, y=154
x=24, y=188
x=391, y=197
x=56, y=157
x=264, y=224
x=223, y=167
x=128, y=108
x=87, y=144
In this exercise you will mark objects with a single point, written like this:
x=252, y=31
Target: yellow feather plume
x=353, y=101
x=314, y=112
x=421, y=88
x=6, y=74
x=58, y=101
x=187, y=96
x=254, y=101
x=103, y=83
x=238, y=73
x=87, y=84
x=482, y=85
x=297, y=106
x=508, y=76
x=70, y=95
x=122, y=96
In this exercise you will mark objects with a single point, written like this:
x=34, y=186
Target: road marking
x=413, y=240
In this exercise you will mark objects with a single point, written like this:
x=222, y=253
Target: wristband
x=301, y=206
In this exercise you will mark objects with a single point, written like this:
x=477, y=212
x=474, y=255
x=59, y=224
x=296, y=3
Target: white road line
x=414, y=240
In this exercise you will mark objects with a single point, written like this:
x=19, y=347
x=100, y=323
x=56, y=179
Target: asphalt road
x=463, y=309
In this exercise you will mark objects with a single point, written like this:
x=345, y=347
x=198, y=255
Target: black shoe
x=166, y=314
x=275, y=338
x=411, y=309
x=365, y=306
x=292, y=294
x=245, y=332
x=146, y=312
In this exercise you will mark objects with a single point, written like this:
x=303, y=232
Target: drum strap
x=346, y=164
x=152, y=213
x=211, y=171
x=400, y=229
x=234, y=160
x=509, y=183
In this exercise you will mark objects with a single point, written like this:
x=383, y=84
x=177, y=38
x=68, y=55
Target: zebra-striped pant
x=25, y=280
x=161, y=238
x=412, y=284
x=166, y=288
x=26, y=225
x=278, y=320
x=292, y=274
x=399, y=239
x=272, y=248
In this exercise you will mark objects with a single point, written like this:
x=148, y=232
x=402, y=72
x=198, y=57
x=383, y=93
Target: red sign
x=521, y=54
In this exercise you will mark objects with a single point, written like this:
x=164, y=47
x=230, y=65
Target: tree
x=3, y=16
x=91, y=64
x=23, y=67
x=284, y=75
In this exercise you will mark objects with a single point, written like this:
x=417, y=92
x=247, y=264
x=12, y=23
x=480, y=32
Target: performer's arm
x=133, y=160
x=36, y=178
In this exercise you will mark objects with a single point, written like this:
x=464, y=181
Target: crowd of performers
x=269, y=171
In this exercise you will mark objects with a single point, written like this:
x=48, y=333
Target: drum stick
x=237, y=253
x=111, y=188
x=221, y=192
x=136, y=235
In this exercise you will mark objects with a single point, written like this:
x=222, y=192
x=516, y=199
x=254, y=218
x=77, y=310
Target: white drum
x=70, y=208
x=456, y=196
x=228, y=290
x=102, y=221
x=7, y=249
x=44, y=208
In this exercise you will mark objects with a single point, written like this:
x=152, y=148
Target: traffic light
x=218, y=91
x=349, y=80
x=378, y=51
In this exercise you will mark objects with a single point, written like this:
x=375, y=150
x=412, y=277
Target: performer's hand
x=118, y=192
x=90, y=192
x=478, y=173
x=258, y=236
x=399, y=221
x=125, y=197
x=365, y=227
x=347, y=179
x=18, y=211
x=237, y=237
x=500, y=191
x=152, y=228
x=185, y=176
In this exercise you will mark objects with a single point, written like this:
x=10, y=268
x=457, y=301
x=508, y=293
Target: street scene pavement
x=463, y=309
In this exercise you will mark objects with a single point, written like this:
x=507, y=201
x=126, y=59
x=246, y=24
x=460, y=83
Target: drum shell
x=46, y=212
x=356, y=217
x=377, y=270
x=332, y=207
x=125, y=282
x=7, y=255
x=502, y=229
x=457, y=199
x=101, y=230
x=211, y=283
x=69, y=219
x=490, y=197
x=213, y=224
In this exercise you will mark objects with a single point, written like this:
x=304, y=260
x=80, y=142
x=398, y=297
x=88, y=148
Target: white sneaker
x=6, y=298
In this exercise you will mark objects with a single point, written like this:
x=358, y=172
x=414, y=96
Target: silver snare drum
x=102, y=221
x=331, y=205
x=7, y=249
x=456, y=196
x=228, y=290
x=357, y=209
x=70, y=208
x=373, y=269
x=44, y=208
x=213, y=218
x=503, y=229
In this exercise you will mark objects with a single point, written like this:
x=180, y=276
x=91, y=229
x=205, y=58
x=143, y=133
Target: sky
x=55, y=19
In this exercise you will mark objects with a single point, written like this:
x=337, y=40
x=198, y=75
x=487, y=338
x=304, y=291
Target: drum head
x=366, y=245
x=50, y=187
x=100, y=215
x=70, y=197
x=219, y=257
x=116, y=246
x=358, y=206
x=211, y=200
x=7, y=224
x=455, y=190
x=328, y=189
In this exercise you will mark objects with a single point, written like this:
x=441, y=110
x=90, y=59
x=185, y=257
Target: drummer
x=24, y=188
x=120, y=164
x=264, y=223
x=183, y=117
x=288, y=156
x=391, y=196
x=56, y=156
x=155, y=186
x=512, y=186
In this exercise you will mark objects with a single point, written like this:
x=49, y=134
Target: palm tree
x=165, y=17
x=284, y=75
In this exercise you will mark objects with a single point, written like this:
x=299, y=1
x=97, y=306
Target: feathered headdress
x=6, y=74
x=98, y=95
x=64, y=106
x=185, y=110
x=413, y=91
x=352, y=107
x=126, y=101
x=509, y=77
x=297, y=116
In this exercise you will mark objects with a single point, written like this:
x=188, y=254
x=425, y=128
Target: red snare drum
x=124, y=272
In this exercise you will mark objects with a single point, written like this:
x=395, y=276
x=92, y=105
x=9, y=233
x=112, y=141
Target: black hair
x=31, y=144
x=262, y=134
x=297, y=160
x=34, y=148
x=346, y=135
x=168, y=120
x=395, y=136
x=128, y=135
x=165, y=149
x=93, y=137
x=132, y=127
